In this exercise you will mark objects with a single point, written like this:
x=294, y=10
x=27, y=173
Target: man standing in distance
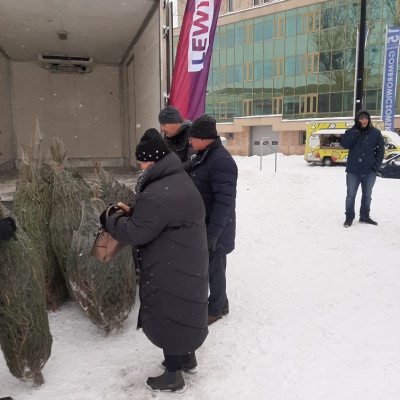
x=366, y=150
x=176, y=134
x=215, y=174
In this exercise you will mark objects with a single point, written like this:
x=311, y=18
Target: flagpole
x=360, y=58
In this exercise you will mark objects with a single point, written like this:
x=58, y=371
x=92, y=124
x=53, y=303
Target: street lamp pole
x=360, y=63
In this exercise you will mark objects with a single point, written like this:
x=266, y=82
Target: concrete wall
x=6, y=121
x=147, y=79
x=141, y=78
x=83, y=110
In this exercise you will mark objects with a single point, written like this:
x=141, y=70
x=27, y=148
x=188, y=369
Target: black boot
x=367, y=220
x=189, y=363
x=349, y=220
x=167, y=382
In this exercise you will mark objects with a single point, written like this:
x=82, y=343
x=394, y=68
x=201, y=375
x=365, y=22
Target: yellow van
x=323, y=141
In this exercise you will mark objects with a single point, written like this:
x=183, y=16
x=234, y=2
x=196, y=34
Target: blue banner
x=390, y=77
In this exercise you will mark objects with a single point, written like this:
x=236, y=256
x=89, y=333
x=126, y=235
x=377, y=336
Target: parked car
x=391, y=155
x=390, y=168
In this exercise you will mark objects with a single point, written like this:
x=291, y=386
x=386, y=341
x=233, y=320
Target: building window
x=231, y=74
x=310, y=21
x=277, y=105
x=308, y=104
x=302, y=137
x=238, y=73
x=222, y=75
x=248, y=34
x=222, y=40
x=308, y=64
x=230, y=5
x=247, y=108
x=248, y=72
x=229, y=136
x=256, y=2
x=222, y=109
x=279, y=28
x=337, y=60
x=277, y=67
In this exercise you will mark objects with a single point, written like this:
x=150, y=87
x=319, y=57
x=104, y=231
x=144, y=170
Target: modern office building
x=278, y=64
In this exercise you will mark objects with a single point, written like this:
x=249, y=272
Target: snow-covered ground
x=315, y=307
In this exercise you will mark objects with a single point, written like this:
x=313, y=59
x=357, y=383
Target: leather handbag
x=105, y=247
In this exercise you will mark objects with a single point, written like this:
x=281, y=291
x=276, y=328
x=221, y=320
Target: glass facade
x=299, y=63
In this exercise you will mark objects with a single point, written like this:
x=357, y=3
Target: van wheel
x=327, y=161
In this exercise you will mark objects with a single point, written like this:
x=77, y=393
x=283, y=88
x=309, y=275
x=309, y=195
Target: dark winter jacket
x=167, y=227
x=366, y=147
x=7, y=228
x=215, y=174
x=179, y=144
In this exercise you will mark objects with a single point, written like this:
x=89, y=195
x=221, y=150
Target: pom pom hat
x=151, y=147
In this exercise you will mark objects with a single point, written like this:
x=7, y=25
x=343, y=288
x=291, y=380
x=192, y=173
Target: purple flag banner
x=193, y=57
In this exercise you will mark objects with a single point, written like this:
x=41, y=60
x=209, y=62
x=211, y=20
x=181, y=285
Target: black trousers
x=217, y=299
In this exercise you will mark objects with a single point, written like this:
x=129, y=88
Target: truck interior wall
x=83, y=110
x=141, y=87
x=100, y=116
x=6, y=118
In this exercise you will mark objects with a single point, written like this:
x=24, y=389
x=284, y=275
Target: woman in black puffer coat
x=167, y=225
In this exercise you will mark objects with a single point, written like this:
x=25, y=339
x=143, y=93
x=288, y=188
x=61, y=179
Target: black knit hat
x=204, y=127
x=151, y=147
x=169, y=115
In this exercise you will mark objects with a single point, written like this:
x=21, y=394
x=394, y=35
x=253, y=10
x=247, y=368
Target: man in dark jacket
x=167, y=226
x=176, y=134
x=215, y=174
x=366, y=150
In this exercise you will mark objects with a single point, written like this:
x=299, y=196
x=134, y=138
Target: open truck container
x=98, y=105
x=323, y=141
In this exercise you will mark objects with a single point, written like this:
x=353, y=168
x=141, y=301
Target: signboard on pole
x=390, y=77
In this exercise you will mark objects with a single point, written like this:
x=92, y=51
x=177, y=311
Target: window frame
x=309, y=103
x=277, y=105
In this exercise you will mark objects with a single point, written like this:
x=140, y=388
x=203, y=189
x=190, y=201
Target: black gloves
x=7, y=228
x=110, y=210
x=212, y=243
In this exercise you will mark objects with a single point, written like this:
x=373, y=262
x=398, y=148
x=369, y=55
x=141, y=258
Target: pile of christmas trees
x=57, y=214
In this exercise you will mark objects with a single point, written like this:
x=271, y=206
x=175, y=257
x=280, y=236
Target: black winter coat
x=167, y=226
x=180, y=145
x=366, y=148
x=215, y=174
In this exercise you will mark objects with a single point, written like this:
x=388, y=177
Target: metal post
x=360, y=58
x=262, y=151
x=266, y=138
